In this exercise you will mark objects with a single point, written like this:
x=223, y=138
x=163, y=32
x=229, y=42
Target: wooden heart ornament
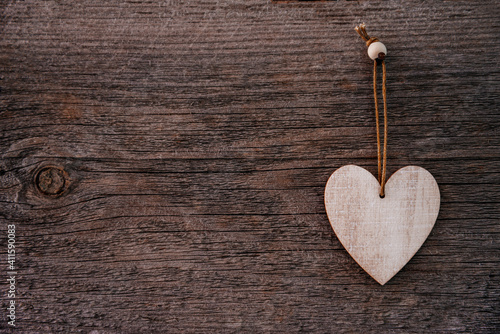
x=382, y=234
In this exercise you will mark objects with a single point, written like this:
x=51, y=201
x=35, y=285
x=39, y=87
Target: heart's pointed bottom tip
x=382, y=281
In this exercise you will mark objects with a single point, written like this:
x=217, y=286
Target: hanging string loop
x=377, y=52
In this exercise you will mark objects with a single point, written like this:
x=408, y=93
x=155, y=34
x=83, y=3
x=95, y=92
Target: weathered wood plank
x=198, y=137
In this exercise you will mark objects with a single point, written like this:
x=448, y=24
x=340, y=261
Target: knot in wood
x=51, y=181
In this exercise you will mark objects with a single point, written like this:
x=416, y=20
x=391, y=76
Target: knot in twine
x=361, y=30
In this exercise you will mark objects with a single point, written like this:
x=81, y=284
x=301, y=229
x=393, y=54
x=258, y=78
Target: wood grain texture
x=382, y=234
x=197, y=138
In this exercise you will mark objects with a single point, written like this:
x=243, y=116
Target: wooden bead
x=375, y=49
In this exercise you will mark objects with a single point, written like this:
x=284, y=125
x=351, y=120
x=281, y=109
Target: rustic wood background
x=197, y=138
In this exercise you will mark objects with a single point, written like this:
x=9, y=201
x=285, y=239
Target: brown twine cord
x=381, y=156
x=377, y=124
x=384, y=95
x=361, y=29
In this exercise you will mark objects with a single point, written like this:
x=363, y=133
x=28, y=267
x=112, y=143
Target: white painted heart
x=382, y=234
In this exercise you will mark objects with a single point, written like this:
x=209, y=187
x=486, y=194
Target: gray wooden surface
x=193, y=140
